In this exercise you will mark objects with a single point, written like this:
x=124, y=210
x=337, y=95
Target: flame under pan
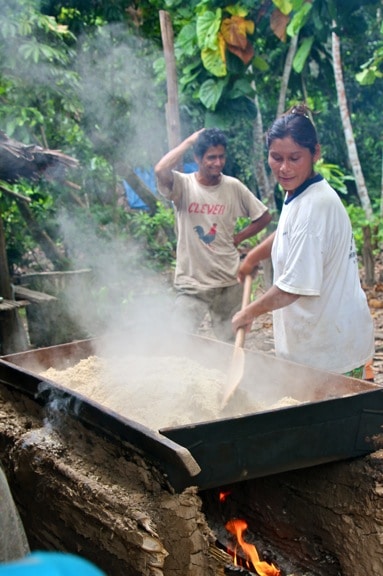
x=337, y=418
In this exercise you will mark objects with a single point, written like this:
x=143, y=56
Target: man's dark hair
x=207, y=138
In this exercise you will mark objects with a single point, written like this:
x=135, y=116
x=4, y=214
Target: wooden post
x=5, y=282
x=12, y=333
x=172, y=109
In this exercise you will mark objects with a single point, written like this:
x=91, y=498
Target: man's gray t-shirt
x=206, y=218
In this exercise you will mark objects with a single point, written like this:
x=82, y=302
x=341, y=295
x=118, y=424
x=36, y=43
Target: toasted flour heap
x=159, y=392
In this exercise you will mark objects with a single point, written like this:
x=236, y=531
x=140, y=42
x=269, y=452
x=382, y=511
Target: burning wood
x=237, y=527
x=237, y=571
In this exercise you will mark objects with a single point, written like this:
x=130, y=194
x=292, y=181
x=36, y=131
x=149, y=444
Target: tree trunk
x=286, y=74
x=266, y=183
x=368, y=257
x=381, y=191
x=347, y=127
x=172, y=109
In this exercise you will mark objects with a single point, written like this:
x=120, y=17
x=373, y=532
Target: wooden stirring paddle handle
x=240, y=334
x=238, y=359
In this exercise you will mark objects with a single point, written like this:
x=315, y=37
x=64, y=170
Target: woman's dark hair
x=207, y=138
x=296, y=124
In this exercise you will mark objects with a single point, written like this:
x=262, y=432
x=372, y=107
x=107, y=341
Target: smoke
x=123, y=114
x=123, y=108
x=107, y=84
x=118, y=296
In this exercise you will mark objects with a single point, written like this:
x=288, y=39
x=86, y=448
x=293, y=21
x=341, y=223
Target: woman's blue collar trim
x=302, y=187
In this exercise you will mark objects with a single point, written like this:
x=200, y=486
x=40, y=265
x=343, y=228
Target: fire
x=223, y=495
x=237, y=527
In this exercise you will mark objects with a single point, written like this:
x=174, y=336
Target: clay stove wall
x=81, y=493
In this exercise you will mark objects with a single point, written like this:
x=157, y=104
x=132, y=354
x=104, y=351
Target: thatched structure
x=29, y=161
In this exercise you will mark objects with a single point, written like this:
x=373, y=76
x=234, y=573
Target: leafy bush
x=359, y=222
x=156, y=234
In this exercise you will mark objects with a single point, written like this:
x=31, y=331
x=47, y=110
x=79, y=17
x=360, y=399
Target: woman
x=320, y=312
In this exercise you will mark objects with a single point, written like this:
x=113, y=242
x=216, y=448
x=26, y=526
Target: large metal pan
x=337, y=417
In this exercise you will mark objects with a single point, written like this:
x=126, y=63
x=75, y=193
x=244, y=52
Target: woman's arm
x=273, y=299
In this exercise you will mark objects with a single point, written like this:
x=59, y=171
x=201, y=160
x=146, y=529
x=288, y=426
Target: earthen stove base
x=80, y=493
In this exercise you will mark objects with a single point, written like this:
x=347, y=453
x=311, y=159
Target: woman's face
x=290, y=163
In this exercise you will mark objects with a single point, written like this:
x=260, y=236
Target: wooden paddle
x=238, y=360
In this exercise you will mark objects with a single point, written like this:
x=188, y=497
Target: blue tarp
x=149, y=179
x=50, y=564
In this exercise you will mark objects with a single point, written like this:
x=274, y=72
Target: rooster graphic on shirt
x=208, y=237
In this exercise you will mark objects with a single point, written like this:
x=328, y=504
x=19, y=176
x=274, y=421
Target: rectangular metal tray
x=338, y=417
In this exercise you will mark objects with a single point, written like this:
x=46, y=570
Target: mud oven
x=294, y=490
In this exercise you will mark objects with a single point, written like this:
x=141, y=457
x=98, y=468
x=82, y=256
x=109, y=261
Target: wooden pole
x=5, y=281
x=12, y=334
x=172, y=107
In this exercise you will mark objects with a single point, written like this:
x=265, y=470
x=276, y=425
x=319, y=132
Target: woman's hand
x=241, y=320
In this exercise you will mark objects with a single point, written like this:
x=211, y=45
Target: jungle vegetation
x=89, y=78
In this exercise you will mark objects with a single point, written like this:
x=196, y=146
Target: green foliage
x=302, y=54
x=334, y=175
x=211, y=92
x=148, y=230
x=36, y=82
x=82, y=77
x=301, y=12
x=359, y=222
x=19, y=240
x=211, y=73
x=372, y=69
x=87, y=98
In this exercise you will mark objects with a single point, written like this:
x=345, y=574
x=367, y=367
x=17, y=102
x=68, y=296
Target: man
x=208, y=204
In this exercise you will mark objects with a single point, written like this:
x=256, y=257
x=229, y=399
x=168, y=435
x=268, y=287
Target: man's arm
x=164, y=168
x=253, y=228
x=260, y=252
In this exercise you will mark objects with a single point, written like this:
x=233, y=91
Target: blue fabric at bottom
x=50, y=564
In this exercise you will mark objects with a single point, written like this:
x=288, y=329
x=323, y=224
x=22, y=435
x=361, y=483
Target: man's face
x=212, y=162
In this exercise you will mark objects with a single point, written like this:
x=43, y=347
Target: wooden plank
x=7, y=305
x=33, y=296
x=27, y=278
